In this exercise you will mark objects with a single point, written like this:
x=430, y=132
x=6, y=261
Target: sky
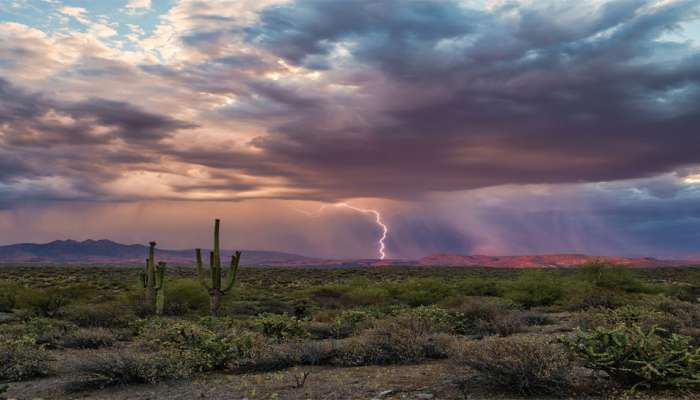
x=472, y=127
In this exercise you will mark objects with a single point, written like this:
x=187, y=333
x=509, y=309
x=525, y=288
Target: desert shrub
x=535, y=288
x=120, y=369
x=281, y=327
x=523, y=365
x=639, y=358
x=610, y=276
x=350, y=322
x=471, y=286
x=685, y=312
x=209, y=344
x=535, y=319
x=486, y=318
x=366, y=295
x=583, y=297
x=105, y=315
x=329, y=295
x=9, y=292
x=284, y=355
x=183, y=296
x=428, y=318
x=88, y=339
x=393, y=341
x=43, y=302
x=49, y=302
x=420, y=291
x=323, y=330
x=642, y=315
x=690, y=294
x=22, y=358
x=47, y=332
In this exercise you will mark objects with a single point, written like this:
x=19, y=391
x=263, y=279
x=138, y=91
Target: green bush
x=43, y=302
x=104, y=315
x=284, y=355
x=472, y=286
x=121, y=369
x=629, y=315
x=9, y=292
x=428, y=318
x=522, y=365
x=486, y=318
x=350, y=322
x=329, y=295
x=610, y=276
x=366, y=296
x=638, y=358
x=536, y=288
x=281, y=327
x=183, y=296
x=420, y=291
x=685, y=312
x=49, y=302
x=586, y=296
x=22, y=359
x=88, y=339
x=397, y=340
x=47, y=332
x=211, y=345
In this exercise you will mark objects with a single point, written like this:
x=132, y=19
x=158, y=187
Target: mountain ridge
x=542, y=261
x=107, y=251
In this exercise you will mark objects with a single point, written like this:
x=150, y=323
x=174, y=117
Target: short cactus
x=215, y=288
x=153, y=279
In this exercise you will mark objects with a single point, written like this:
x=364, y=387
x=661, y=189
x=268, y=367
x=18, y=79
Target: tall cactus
x=153, y=279
x=215, y=288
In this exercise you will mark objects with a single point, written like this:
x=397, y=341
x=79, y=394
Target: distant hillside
x=541, y=261
x=109, y=252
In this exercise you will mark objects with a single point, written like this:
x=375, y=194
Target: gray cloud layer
x=394, y=99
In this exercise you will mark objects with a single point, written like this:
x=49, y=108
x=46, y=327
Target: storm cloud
x=391, y=101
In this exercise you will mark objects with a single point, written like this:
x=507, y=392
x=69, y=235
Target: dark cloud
x=57, y=150
x=35, y=120
x=449, y=98
x=382, y=99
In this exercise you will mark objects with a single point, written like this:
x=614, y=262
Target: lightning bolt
x=377, y=219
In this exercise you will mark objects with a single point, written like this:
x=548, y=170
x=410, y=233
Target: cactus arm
x=142, y=275
x=151, y=266
x=160, y=296
x=216, y=258
x=231, y=278
x=160, y=275
x=200, y=270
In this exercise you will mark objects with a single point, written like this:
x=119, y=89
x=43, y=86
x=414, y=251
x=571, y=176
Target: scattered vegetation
x=115, y=369
x=637, y=358
x=523, y=365
x=529, y=333
x=22, y=358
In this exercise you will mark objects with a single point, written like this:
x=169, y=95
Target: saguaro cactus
x=215, y=288
x=153, y=279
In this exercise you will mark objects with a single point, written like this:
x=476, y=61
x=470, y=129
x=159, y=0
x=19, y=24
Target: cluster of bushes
x=638, y=338
x=524, y=365
x=22, y=358
x=117, y=369
x=593, y=285
x=639, y=358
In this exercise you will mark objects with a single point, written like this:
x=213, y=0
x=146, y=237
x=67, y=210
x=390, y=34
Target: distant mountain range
x=545, y=261
x=109, y=252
